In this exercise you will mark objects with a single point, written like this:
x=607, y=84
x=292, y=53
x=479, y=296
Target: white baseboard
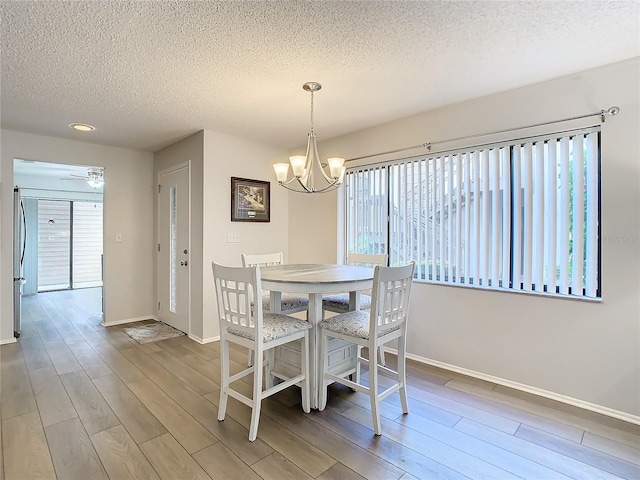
x=128, y=320
x=202, y=341
x=610, y=412
x=8, y=341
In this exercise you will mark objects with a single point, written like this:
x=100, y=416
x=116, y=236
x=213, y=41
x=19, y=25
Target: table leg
x=315, y=316
x=275, y=301
x=354, y=301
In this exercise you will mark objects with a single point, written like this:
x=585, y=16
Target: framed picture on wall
x=250, y=200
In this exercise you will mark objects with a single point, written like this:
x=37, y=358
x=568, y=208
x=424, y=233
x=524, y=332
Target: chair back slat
x=262, y=259
x=367, y=259
x=391, y=290
x=236, y=292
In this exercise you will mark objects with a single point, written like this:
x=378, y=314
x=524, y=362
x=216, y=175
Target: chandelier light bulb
x=297, y=165
x=282, y=171
x=335, y=166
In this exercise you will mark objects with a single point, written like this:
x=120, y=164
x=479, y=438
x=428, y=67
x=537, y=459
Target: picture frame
x=250, y=200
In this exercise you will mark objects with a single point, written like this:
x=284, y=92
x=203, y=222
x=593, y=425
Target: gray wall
x=215, y=158
x=190, y=149
x=584, y=352
x=226, y=156
x=128, y=210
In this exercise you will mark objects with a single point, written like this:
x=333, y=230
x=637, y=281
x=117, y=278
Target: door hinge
x=158, y=305
x=158, y=247
x=159, y=187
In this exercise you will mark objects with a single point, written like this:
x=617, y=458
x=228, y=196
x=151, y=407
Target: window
x=522, y=215
x=173, y=247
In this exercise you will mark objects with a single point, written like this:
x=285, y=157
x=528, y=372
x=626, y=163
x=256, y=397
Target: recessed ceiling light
x=82, y=127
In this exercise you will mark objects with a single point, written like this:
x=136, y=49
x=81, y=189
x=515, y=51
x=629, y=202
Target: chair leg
x=268, y=367
x=249, y=358
x=305, y=370
x=224, y=380
x=402, y=374
x=381, y=351
x=257, y=396
x=357, y=374
x=373, y=391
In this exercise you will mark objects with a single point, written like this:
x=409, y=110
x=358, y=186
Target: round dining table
x=316, y=280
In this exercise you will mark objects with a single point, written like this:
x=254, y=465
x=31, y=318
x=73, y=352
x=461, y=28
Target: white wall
x=589, y=352
x=128, y=210
x=225, y=157
x=314, y=227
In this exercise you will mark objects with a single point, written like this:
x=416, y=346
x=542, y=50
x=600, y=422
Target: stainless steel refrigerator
x=19, y=247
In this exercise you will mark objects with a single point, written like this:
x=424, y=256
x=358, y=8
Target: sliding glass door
x=69, y=244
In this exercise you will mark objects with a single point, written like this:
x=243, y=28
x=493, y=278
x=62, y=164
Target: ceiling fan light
x=95, y=182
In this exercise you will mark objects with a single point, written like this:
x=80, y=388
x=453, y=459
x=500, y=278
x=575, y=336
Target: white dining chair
x=386, y=321
x=289, y=302
x=339, y=303
x=243, y=322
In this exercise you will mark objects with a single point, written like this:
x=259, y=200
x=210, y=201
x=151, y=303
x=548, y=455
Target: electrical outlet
x=233, y=238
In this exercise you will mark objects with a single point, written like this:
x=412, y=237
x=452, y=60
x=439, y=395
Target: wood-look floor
x=80, y=401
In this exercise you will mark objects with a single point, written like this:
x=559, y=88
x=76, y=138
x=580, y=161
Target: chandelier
x=306, y=168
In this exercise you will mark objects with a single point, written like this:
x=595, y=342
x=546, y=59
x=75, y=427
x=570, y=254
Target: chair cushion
x=289, y=302
x=353, y=324
x=274, y=326
x=341, y=302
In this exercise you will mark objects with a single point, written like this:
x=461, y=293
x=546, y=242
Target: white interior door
x=173, y=247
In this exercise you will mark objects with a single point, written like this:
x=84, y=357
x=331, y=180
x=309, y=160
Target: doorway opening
x=58, y=230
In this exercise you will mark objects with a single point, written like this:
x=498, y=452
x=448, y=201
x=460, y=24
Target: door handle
x=184, y=264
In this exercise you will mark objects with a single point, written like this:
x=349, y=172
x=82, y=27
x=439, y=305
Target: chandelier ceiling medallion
x=306, y=168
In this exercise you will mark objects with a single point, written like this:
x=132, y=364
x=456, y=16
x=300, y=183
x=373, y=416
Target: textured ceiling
x=147, y=73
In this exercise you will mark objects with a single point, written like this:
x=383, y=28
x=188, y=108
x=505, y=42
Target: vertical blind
x=367, y=215
x=521, y=215
x=69, y=244
x=54, y=244
x=87, y=244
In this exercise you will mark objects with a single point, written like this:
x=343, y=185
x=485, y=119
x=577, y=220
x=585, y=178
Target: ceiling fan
x=94, y=177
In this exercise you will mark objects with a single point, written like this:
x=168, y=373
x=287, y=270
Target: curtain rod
x=611, y=111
